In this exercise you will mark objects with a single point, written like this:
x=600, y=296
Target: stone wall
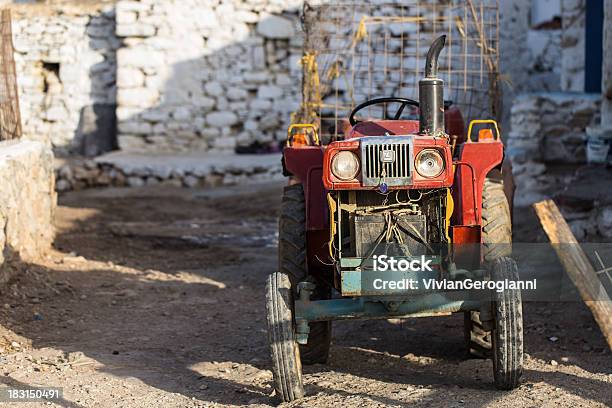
x=187, y=75
x=27, y=202
x=514, y=57
x=573, y=45
x=197, y=169
x=606, y=74
x=550, y=127
x=210, y=74
x=540, y=50
x=547, y=128
x=530, y=44
x=66, y=66
x=543, y=69
x=200, y=75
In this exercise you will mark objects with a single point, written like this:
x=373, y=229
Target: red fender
x=475, y=161
x=306, y=164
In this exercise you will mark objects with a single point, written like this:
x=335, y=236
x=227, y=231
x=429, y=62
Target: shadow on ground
x=162, y=290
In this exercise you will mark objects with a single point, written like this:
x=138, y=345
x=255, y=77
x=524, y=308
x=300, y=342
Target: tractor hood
x=384, y=127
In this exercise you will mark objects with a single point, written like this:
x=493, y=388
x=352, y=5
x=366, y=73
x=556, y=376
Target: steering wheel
x=403, y=101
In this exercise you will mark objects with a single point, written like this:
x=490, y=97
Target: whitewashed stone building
x=559, y=76
x=205, y=75
x=222, y=75
x=65, y=65
x=175, y=75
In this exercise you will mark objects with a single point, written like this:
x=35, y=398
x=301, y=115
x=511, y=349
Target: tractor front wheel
x=508, y=330
x=292, y=253
x=284, y=350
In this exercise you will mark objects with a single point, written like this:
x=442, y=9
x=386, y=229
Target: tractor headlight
x=345, y=165
x=429, y=163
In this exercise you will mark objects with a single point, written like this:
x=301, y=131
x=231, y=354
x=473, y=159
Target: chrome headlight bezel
x=429, y=163
x=345, y=165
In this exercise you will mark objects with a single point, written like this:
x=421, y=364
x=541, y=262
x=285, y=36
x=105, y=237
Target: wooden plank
x=577, y=265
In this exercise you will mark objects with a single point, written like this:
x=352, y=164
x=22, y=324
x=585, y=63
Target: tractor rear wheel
x=284, y=350
x=497, y=242
x=477, y=337
x=496, y=220
x=292, y=261
x=508, y=329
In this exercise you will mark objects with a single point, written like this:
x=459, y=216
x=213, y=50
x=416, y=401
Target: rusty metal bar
x=364, y=308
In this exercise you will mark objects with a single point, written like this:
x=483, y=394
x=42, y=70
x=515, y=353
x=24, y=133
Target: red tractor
x=368, y=220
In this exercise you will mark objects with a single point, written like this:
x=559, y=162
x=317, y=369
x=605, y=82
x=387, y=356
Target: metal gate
x=358, y=50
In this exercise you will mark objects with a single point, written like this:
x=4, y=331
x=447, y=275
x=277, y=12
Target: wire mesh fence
x=359, y=50
x=10, y=118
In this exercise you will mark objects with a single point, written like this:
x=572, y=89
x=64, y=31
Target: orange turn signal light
x=300, y=139
x=485, y=134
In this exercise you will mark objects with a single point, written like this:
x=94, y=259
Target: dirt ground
x=155, y=298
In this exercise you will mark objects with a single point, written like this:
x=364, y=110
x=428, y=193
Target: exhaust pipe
x=431, y=93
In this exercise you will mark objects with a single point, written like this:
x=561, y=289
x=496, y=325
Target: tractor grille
x=386, y=159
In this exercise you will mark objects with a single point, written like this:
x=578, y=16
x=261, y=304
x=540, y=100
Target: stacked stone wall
x=206, y=75
x=27, y=203
x=65, y=62
x=573, y=45
x=548, y=128
x=214, y=75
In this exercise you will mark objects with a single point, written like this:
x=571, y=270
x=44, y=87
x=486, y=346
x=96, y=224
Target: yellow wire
x=332, y=224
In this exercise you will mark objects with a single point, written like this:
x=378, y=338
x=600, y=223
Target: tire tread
x=497, y=242
x=508, y=333
x=284, y=352
x=292, y=261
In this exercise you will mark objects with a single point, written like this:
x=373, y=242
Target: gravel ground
x=154, y=298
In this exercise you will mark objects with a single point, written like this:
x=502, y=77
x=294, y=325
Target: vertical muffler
x=431, y=93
